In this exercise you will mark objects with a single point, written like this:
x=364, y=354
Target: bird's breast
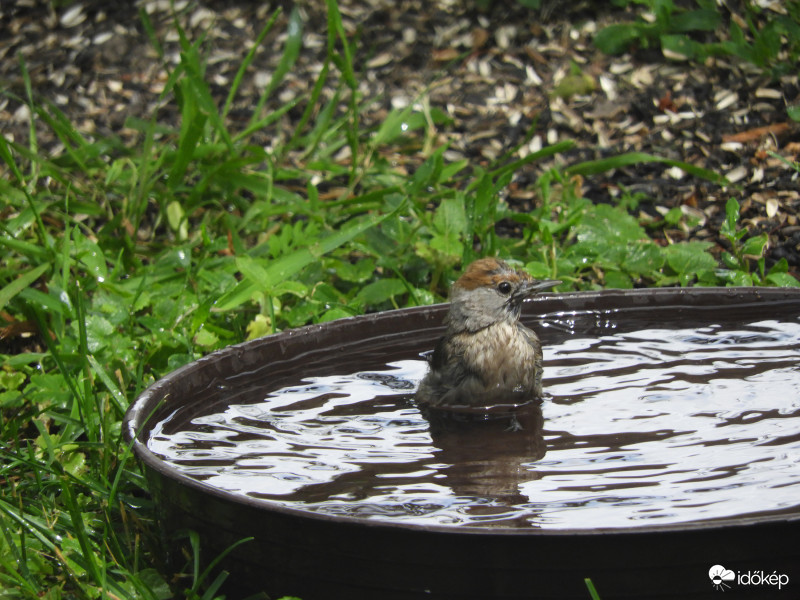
x=503, y=356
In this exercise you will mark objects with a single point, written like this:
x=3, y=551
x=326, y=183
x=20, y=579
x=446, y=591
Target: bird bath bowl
x=664, y=461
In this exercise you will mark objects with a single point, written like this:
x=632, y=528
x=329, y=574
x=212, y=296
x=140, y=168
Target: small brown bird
x=486, y=355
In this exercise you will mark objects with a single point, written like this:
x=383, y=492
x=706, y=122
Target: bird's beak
x=534, y=287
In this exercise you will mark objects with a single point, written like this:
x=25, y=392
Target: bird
x=486, y=356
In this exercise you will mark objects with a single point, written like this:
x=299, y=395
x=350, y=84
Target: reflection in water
x=484, y=455
x=645, y=427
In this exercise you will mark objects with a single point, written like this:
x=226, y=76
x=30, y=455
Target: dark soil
x=493, y=72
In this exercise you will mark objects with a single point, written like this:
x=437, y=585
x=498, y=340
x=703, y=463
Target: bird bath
x=668, y=443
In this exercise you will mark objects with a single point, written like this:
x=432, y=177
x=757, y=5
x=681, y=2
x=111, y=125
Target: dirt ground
x=496, y=73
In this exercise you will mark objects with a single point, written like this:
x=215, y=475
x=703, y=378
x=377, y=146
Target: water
x=645, y=427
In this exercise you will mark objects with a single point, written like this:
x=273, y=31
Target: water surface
x=653, y=426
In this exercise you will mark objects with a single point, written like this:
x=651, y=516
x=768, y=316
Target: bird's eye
x=504, y=288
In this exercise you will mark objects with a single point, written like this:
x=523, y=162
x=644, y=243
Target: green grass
x=122, y=263
x=768, y=39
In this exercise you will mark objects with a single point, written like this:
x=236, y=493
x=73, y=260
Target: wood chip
x=381, y=60
x=756, y=133
x=445, y=54
x=73, y=16
x=734, y=147
x=725, y=100
x=772, y=207
x=737, y=174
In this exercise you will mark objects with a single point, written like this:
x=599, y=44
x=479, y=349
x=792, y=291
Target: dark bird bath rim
x=285, y=358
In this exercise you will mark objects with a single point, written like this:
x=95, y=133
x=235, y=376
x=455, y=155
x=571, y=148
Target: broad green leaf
x=755, y=246
x=252, y=269
x=642, y=258
x=616, y=39
x=294, y=288
x=73, y=462
x=337, y=312
x=607, y=225
x=575, y=85
x=449, y=246
x=736, y=278
x=11, y=380
x=48, y=388
x=440, y=250
x=731, y=218
x=99, y=333
x=782, y=266
x=206, y=338
x=357, y=272
x=688, y=258
x=380, y=291
x=538, y=270
x=155, y=584
x=90, y=254
x=259, y=327
x=618, y=280
x=695, y=20
x=680, y=47
x=783, y=280
x=428, y=173
x=730, y=261
x=450, y=219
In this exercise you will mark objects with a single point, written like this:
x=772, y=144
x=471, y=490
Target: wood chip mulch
x=494, y=72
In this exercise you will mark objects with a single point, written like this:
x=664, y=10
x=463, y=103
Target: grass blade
x=592, y=591
x=287, y=266
x=8, y=158
x=192, y=126
x=237, y=80
x=291, y=51
x=336, y=31
x=79, y=529
x=545, y=152
x=20, y=283
x=319, y=84
x=36, y=527
x=593, y=167
x=267, y=120
x=116, y=393
x=195, y=73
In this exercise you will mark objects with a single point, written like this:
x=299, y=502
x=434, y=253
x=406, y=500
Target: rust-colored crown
x=488, y=272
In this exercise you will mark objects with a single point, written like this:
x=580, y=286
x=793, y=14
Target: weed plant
x=121, y=264
x=769, y=40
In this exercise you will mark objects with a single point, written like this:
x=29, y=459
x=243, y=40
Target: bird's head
x=489, y=292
